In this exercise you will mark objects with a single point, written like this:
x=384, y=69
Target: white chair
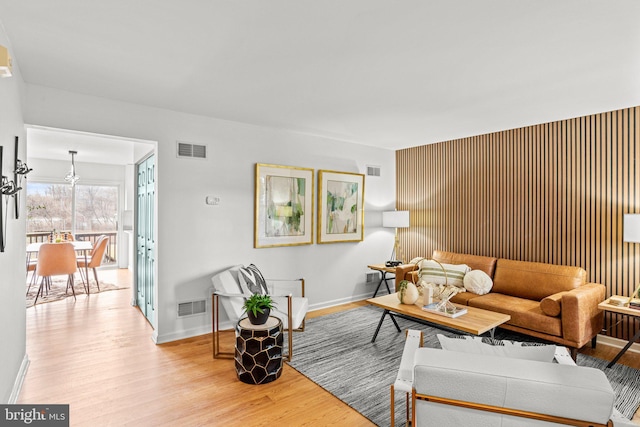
x=227, y=290
x=404, y=379
x=453, y=388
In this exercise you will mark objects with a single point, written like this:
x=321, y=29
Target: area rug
x=336, y=352
x=59, y=292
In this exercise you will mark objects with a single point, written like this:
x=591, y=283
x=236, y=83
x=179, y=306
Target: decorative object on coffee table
x=407, y=292
x=258, y=308
x=258, y=353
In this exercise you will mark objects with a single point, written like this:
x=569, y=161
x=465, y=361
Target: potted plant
x=258, y=308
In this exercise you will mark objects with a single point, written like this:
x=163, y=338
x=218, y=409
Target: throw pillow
x=513, y=349
x=552, y=305
x=252, y=281
x=431, y=271
x=478, y=282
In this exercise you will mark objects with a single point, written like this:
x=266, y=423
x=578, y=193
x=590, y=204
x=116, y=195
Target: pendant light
x=71, y=177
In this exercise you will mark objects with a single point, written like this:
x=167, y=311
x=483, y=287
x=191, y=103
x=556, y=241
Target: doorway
x=107, y=185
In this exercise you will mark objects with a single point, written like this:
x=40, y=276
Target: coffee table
x=476, y=321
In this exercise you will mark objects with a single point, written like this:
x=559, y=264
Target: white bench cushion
x=566, y=391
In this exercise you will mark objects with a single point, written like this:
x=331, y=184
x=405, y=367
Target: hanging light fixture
x=71, y=177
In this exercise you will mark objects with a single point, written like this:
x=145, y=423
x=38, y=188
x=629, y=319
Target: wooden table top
x=382, y=267
x=476, y=321
x=604, y=305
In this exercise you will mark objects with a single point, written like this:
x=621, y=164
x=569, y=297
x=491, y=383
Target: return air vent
x=373, y=170
x=192, y=308
x=195, y=151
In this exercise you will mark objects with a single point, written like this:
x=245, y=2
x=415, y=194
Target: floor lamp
x=396, y=219
x=631, y=234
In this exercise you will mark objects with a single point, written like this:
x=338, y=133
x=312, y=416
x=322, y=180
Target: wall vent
x=373, y=170
x=192, y=308
x=372, y=277
x=186, y=149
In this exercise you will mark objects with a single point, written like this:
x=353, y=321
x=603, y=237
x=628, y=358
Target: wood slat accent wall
x=552, y=193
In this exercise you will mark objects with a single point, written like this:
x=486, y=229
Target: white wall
x=196, y=240
x=13, y=359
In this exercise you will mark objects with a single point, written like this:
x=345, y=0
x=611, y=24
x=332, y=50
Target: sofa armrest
x=403, y=272
x=581, y=317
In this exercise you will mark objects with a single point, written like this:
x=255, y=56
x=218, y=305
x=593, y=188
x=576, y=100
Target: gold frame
x=500, y=410
x=356, y=178
x=260, y=237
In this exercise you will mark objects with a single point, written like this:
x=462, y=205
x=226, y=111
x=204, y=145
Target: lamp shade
x=395, y=219
x=631, y=228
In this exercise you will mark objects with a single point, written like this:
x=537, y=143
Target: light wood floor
x=96, y=354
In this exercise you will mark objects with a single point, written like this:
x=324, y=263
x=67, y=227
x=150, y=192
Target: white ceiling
x=384, y=73
x=55, y=144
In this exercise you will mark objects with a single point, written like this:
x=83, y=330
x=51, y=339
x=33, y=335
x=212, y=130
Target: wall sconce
x=396, y=219
x=19, y=173
x=5, y=62
x=7, y=189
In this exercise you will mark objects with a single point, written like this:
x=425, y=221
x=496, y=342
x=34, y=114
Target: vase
x=408, y=295
x=260, y=318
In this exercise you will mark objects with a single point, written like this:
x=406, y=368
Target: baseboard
x=340, y=301
x=618, y=343
x=17, y=385
x=206, y=329
x=183, y=334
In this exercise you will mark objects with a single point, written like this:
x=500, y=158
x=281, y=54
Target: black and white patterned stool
x=258, y=354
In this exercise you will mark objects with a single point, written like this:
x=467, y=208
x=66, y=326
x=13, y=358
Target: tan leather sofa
x=547, y=301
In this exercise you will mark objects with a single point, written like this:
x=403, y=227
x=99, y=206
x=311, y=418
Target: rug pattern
x=335, y=352
x=59, y=291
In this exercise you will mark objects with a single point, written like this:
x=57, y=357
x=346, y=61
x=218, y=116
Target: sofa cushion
x=484, y=345
x=552, y=305
x=535, y=281
x=476, y=262
x=463, y=298
x=575, y=392
x=478, y=282
x=524, y=313
x=442, y=274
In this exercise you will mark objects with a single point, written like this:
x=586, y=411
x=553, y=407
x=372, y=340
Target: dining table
x=80, y=246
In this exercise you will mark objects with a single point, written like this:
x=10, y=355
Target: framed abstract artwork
x=283, y=209
x=340, y=207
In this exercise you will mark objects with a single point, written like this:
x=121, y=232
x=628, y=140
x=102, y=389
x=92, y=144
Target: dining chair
x=55, y=259
x=94, y=260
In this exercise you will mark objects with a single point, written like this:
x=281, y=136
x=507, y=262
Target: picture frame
x=340, y=207
x=283, y=210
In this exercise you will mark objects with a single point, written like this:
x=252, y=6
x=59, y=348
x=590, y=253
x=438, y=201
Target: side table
x=383, y=269
x=626, y=311
x=258, y=354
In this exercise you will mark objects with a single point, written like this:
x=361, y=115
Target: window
x=51, y=207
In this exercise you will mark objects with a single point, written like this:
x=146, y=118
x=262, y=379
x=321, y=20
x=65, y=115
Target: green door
x=145, y=238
